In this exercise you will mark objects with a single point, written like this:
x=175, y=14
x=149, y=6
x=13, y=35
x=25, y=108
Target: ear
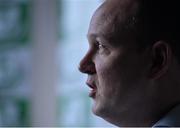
x=161, y=58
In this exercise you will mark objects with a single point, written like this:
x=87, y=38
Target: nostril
x=88, y=68
x=86, y=64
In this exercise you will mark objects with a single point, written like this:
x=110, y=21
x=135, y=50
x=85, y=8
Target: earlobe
x=161, y=58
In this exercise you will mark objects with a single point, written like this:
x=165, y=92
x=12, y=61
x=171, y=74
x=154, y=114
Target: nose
x=87, y=65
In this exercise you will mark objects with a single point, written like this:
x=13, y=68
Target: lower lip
x=92, y=93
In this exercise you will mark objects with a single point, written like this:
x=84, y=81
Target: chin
x=104, y=113
x=106, y=110
x=98, y=108
x=102, y=109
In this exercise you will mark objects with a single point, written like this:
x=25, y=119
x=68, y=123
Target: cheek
x=109, y=77
x=118, y=73
x=111, y=68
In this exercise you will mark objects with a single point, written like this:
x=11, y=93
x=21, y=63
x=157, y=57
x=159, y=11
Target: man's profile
x=133, y=62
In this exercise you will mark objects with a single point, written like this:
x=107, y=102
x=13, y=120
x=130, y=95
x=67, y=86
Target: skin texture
x=132, y=85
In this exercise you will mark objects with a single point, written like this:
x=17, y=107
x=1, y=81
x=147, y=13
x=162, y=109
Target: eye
x=101, y=48
x=99, y=45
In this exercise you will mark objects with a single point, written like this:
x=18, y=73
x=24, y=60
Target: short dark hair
x=160, y=20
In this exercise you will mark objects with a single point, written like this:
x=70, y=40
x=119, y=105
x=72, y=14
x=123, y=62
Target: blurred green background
x=25, y=47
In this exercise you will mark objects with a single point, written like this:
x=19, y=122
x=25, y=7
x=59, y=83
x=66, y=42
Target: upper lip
x=91, y=83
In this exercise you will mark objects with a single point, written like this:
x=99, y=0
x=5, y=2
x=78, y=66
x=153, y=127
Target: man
x=133, y=62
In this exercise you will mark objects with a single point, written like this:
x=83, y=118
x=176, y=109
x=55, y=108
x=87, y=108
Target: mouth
x=93, y=90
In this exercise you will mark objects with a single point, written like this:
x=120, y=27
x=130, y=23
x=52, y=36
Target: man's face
x=116, y=70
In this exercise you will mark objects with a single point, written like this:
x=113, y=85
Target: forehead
x=112, y=17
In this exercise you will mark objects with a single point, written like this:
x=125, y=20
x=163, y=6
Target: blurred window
x=14, y=62
x=74, y=103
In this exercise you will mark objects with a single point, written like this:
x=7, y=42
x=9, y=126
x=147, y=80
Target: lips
x=93, y=87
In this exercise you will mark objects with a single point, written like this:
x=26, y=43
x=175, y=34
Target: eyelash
x=98, y=45
x=101, y=47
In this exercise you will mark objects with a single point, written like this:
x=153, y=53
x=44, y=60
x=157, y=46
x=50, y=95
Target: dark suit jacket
x=171, y=119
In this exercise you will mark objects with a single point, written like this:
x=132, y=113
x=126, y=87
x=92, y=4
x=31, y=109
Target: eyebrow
x=92, y=37
x=95, y=35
